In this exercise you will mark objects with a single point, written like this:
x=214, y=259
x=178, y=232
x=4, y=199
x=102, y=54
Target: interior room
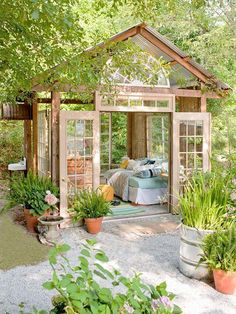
x=134, y=155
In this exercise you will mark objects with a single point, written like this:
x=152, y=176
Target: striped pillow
x=148, y=173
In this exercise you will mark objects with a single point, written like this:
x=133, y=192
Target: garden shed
x=163, y=123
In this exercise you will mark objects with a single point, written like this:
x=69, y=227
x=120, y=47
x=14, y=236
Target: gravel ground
x=156, y=256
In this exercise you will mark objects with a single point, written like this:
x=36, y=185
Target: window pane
x=190, y=144
x=182, y=144
x=199, y=127
x=199, y=144
x=183, y=160
x=190, y=161
x=191, y=128
x=183, y=128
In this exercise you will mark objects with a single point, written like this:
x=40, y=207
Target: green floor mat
x=124, y=210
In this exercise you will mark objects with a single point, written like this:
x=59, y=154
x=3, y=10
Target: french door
x=191, y=148
x=79, y=153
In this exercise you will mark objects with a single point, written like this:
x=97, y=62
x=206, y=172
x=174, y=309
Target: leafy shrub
x=31, y=191
x=79, y=292
x=88, y=203
x=204, y=202
x=219, y=249
x=11, y=144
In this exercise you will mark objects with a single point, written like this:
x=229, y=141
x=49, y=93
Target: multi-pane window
x=79, y=154
x=158, y=136
x=131, y=101
x=44, y=143
x=191, y=145
x=105, y=142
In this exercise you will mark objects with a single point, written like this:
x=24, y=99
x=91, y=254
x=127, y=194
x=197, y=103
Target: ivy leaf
x=83, y=261
x=105, y=295
x=105, y=271
x=85, y=253
x=98, y=273
x=49, y=285
x=91, y=242
x=65, y=282
x=63, y=248
x=102, y=257
x=72, y=287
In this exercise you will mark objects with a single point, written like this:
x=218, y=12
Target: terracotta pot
x=93, y=224
x=225, y=282
x=31, y=221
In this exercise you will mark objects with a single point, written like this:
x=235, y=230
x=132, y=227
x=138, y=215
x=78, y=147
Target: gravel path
x=156, y=256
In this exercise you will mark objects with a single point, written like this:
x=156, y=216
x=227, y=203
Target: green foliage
x=80, y=292
x=219, y=249
x=31, y=191
x=203, y=204
x=119, y=137
x=88, y=203
x=11, y=144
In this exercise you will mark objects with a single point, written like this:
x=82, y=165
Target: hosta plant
x=79, y=290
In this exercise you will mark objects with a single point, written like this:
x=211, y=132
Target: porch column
x=55, y=115
x=28, y=144
x=203, y=103
x=35, y=132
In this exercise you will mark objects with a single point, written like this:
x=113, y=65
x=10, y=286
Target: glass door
x=79, y=153
x=190, y=148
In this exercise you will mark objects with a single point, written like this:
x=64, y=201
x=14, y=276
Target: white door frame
x=175, y=160
x=77, y=115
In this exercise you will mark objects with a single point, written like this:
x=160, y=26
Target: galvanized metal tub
x=190, y=253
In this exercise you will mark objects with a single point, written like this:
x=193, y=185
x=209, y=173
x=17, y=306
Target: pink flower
x=128, y=308
x=234, y=181
x=233, y=196
x=231, y=209
x=162, y=301
x=50, y=199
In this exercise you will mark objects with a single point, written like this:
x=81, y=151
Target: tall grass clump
x=203, y=204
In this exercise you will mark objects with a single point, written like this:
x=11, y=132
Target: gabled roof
x=158, y=45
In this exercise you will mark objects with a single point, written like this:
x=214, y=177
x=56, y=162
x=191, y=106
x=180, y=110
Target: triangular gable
x=173, y=54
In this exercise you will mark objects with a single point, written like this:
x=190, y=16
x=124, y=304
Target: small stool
x=107, y=192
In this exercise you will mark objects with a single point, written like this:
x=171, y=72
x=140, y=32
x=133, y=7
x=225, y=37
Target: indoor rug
x=123, y=210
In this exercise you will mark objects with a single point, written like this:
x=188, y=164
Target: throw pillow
x=124, y=164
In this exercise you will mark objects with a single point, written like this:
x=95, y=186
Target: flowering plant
x=80, y=292
x=35, y=193
x=51, y=200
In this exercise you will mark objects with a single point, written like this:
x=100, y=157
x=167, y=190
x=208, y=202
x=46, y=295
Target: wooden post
x=35, y=132
x=55, y=115
x=203, y=104
x=129, y=134
x=28, y=144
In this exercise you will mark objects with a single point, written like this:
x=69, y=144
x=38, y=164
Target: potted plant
x=91, y=206
x=203, y=207
x=31, y=192
x=219, y=252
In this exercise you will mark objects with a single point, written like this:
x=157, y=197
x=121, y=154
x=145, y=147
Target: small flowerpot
x=31, y=221
x=225, y=282
x=93, y=225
